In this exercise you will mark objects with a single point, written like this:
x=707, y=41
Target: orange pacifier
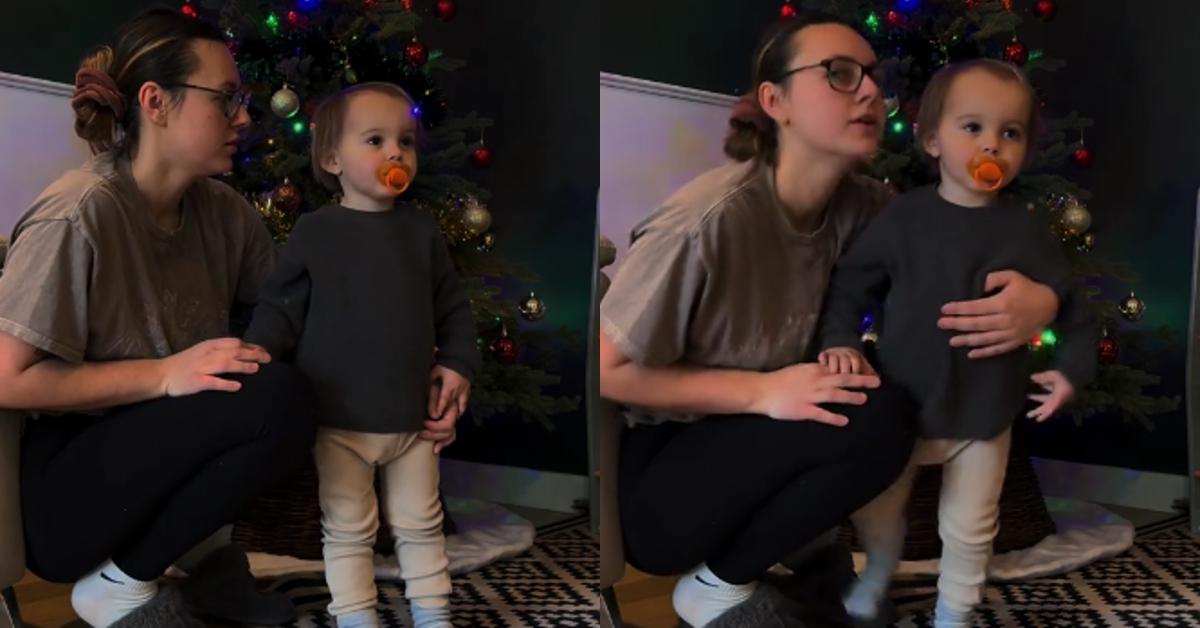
x=986, y=171
x=394, y=177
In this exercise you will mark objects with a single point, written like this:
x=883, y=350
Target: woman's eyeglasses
x=843, y=73
x=234, y=100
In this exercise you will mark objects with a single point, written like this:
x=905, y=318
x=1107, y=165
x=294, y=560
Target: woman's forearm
x=682, y=389
x=55, y=385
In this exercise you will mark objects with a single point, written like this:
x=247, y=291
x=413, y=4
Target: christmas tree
x=292, y=54
x=914, y=38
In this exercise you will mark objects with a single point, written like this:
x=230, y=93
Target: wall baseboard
x=1148, y=490
x=519, y=486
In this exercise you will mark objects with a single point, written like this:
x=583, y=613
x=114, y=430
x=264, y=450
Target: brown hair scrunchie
x=98, y=87
x=747, y=110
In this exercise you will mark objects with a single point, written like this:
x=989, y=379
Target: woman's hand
x=1004, y=321
x=793, y=393
x=196, y=369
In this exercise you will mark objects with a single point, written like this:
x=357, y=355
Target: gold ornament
x=1076, y=218
x=1132, y=308
x=532, y=308
x=285, y=103
x=476, y=217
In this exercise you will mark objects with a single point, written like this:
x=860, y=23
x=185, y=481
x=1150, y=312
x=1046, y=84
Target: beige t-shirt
x=90, y=276
x=719, y=277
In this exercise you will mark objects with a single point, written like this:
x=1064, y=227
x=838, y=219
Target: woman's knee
x=281, y=398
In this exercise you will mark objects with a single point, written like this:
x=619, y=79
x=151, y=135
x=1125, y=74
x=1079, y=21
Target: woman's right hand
x=793, y=393
x=195, y=369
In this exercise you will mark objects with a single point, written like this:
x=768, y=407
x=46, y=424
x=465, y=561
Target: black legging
x=147, y=482
x=741, y=492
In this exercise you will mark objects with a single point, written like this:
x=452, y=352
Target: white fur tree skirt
x=486, y=533
x=1086, y=533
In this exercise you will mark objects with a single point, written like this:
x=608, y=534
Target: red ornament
x=1016, y=53
x=189, y=10
x=416, y=52
x=1108, y=351
x=481, y=157
x=407, y=4
x=787, y=11
x=370, y=4
x=896, y=19
x=232, y=45
x=444, y=10
x=1007, y=4
x=1082, y=157
x=287, y=197
x=297, y=20
x=1045, y=10
x=505, y=349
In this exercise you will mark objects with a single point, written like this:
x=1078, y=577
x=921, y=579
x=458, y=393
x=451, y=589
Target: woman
x=156, y=426
x=743, y=450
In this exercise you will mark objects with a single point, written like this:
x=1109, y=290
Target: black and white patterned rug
x=1156, y=584
x=553, y=584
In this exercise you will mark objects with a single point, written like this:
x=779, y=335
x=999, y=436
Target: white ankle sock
x=700, y=596
x=366, y=618
x=108, y=594
x=434, y=614
x=946, y=617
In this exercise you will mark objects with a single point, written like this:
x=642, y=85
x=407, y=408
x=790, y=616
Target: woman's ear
x=771, y=99
x=153, y=100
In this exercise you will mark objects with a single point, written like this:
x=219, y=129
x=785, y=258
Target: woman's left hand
x=1004, y=321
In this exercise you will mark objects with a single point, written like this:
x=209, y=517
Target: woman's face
x=814, y=114
x=200, y=136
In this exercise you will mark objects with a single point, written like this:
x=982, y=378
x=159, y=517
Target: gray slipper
x=164, y=610
x=766, y=608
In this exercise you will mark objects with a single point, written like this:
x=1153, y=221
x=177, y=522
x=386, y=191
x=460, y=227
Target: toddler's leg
x=414, y=513
x=349, y=520
x=880, y=526
x=967, y=522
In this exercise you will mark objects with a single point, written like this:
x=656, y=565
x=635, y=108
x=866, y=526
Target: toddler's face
x=983, y=114
x=379, y=127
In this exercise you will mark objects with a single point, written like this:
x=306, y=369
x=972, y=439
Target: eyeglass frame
x=231, y=97
x=864, y=71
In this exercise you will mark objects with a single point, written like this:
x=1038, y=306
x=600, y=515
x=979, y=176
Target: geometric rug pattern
x=1156, y=584
x=555, y=583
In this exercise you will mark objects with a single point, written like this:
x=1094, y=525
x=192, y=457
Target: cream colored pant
x=346, y=463
x=968, y=509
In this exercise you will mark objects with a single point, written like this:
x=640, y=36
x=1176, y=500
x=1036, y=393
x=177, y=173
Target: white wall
x=37, y=140
x=653, y=138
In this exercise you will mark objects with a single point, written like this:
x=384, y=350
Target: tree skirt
x=486, y=533
x=1086, y=533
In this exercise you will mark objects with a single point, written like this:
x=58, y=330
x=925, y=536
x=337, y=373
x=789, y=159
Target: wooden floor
x=44, y=604
x=645, y=600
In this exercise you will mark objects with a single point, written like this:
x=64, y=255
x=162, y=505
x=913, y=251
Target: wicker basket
x=287, y=520
x=1024, y=520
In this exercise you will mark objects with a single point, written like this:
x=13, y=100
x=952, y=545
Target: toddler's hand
x=1059, y=392
x=446, y=388
x=841, y=360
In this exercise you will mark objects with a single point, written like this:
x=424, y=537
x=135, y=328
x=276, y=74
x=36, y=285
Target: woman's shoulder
x=76, y=195
x=710, y=195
